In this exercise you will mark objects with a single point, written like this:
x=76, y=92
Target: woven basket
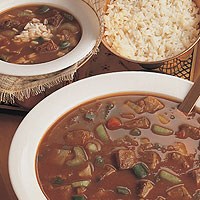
x=20, y=88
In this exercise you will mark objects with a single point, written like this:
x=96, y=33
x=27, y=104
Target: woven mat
x=105, y=62
x=12, y=87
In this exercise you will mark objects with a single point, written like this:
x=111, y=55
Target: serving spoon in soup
x=191, y=98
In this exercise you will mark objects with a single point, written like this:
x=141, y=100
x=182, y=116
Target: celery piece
x=81, y=183
x=79, y=159
x=102, y=133
x=169, y=177
x=123, y=190
x=159, y=130
x=134, y=107
x=140, y=170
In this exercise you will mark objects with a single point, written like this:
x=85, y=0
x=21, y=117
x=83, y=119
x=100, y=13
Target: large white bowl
x=90, y=33
x=28, y=135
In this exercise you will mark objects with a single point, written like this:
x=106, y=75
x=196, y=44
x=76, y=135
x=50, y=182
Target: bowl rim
x=89, y=23
x=21, y=162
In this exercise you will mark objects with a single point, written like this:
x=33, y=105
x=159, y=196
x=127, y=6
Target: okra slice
x=123, y=190
x=102, y=133
x=135, y=132
x=169, y=177
x=160, y=130
x=140, y=170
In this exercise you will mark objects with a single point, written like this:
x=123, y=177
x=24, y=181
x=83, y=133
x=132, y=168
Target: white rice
x=151, y=30
x=33, y=30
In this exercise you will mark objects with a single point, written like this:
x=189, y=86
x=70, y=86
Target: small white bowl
x=27, y=137
x=90, y=33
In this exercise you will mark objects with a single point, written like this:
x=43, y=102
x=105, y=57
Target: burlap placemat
x=12, y=87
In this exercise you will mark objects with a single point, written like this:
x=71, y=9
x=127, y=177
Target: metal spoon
x=191, y=98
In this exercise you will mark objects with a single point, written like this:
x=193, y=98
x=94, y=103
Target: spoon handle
x=191, y=98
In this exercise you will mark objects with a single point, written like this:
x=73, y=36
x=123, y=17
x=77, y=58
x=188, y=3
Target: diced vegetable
x=123, y=190
x=43, y=9
x=109, y=107
x=140, y=170
x=68, y=16
x=69, y=26
x=90, y=116
x=102, y=133
x=162, y=119
x=81, y=183
x=135, y=132
x=169, y=177
x=99, y=161
x=159, y=130
x=64, y=44
x=4, y=57
x=113, y=123
x=78, y=198
x=79, y=159
x=87, y=172
x=92, y=147
x=57, y=181
x=134, y=107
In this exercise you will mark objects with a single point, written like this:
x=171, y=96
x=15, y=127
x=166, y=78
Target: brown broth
x=75, y=120
x=65, y=32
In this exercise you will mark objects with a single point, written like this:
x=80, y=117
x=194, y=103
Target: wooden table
x=10, y=121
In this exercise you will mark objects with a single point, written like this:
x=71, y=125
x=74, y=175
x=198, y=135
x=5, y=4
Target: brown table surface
x=10, y=121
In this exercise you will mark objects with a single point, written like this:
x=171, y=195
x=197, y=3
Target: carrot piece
x=113, y=123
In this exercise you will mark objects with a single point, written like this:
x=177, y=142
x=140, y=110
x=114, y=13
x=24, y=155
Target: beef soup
x=37, y=33
x=125, y=146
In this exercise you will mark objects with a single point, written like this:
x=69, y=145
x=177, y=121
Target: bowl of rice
x=151, y=32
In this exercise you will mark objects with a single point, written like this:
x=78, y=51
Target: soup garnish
x=126, y=146
x=33, y=34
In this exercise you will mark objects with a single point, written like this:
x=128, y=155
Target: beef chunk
x=9, y=24
x=46, y=46
x=152, y=104
x=77, y=137
x=151, y=158
x=4, y=41
x=144, y=187
x=56, y=19
x=126, y=158
x=186, y=130
x=196, y=175
x=179, y=193
x=142, y=122
x=179, y=159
